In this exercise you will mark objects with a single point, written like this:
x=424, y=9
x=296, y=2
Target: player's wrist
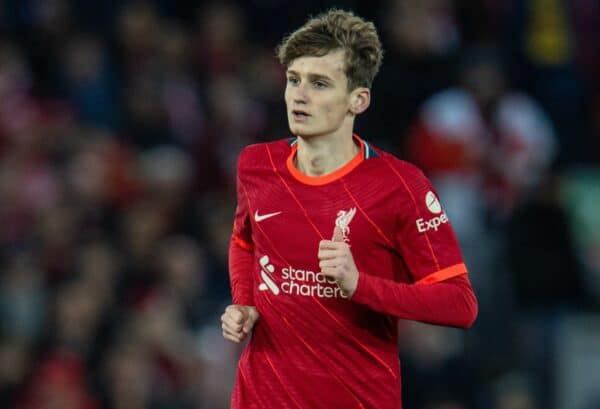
x=358, y=286
x=350, y=290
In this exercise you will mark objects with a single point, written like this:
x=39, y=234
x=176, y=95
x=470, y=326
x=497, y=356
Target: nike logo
x=261, y=217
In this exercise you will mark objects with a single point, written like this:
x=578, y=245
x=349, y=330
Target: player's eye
x=293, y=81
x=320, y=84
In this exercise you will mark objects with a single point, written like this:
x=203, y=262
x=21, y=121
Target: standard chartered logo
x=298, y=282
x=266, y=271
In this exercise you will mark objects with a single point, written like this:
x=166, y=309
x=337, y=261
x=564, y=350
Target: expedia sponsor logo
x=431, y=224
x=434, y=206
x=432, y=203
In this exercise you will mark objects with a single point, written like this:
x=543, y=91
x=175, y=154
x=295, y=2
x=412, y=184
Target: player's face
x=317, y=96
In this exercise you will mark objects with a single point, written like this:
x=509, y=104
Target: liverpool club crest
x=342, y=224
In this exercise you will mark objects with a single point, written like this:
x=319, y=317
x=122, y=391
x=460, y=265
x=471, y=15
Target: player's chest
x=300, y=215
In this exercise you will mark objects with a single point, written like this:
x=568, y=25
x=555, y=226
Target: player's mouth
x=300, y=116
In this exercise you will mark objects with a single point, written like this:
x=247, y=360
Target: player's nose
x=299, y=94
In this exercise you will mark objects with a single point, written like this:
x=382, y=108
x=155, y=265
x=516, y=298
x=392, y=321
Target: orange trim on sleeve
x=330, y=177
x=444, y=274
x=242, y=243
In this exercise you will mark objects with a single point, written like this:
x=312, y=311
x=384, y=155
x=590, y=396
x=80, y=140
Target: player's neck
x=321, y=155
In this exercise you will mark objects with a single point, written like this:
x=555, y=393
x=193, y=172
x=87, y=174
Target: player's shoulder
x=258, y=153
x=397, y=168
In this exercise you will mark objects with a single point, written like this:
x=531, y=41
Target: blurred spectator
x=579, y=194
x=22, y=298
x=549, y=37
x=220, y=38
x=127, y=376
x=486, y=148
x=181, y=92
x=91, y=83
x=15, y=360
x=184, y=277
x=482, y=132
x=59, y=381
x=420, y=39
x=515, y=391
x=541, y=250
x=431, y=358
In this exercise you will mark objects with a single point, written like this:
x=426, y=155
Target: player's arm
x=440, y=293
x=241, y=259
x=241, y=249
x=237, y=322
x=239, y=318
x=449, y=301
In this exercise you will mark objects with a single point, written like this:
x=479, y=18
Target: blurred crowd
x=120, y=126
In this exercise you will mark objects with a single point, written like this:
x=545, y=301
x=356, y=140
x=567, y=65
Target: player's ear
x=360, y=100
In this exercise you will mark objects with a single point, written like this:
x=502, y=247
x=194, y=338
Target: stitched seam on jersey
x=242, y=243
x=437, y=264
x=235, y=241
x=377, y=229
x=292, y=194
x=281, y=382
x=319, y=358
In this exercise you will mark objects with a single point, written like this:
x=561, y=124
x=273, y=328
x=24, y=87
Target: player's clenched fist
x=237, y=321
x=336, y=261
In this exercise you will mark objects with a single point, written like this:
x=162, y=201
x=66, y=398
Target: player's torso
x=333, y=341
x=290, y=218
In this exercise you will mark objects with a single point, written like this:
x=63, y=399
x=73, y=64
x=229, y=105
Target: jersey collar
x=364, y=153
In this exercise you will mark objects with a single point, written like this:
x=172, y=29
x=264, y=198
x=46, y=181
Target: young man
x=334, y=240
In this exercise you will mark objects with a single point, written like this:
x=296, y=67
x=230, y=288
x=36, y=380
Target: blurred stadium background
x=120, y=124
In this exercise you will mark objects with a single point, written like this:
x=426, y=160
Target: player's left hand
x=336, y=261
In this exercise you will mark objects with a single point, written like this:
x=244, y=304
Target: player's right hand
x=237, y=322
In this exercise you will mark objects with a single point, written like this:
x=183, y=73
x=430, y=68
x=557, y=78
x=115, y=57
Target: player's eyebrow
x=312, y=76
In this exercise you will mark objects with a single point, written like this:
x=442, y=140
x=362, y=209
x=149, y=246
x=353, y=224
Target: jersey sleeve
x=440, y=292
x=451, y=302
x=241, y=251
x=424, y=235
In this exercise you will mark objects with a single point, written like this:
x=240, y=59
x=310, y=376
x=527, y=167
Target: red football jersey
x=312, y=346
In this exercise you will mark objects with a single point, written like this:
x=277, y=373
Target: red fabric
x=241, y=263
x=241, y=255
x=313, y=348
x=450, y=302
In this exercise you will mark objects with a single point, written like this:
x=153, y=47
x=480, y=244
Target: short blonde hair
x=337, y=30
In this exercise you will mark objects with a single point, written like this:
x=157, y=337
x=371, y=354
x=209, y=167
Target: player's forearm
x=451, y=302
x=241, y=261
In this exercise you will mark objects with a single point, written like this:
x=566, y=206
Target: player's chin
x=302, y=131
x=296, y=129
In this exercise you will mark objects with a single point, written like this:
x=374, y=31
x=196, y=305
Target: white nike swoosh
x=261, y=217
